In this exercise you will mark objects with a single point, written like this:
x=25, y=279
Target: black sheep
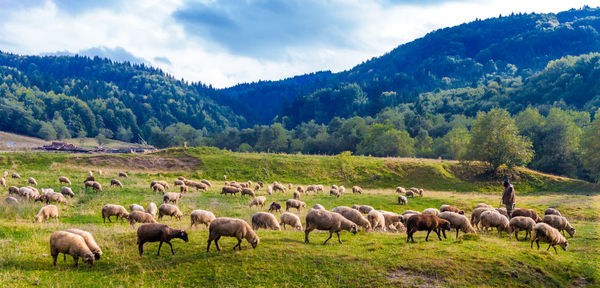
x=158, y=232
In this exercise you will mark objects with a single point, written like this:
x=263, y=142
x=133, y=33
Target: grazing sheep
x=445, y=208
x=410, y=194
x=231, y=227
x=476, y=215
x=318, y=206
x=377, y=220
x=357, y=189
x=552, y=211
x=89, y=241
x=334, y=187
x=559, y=222
x=431, y=211
x=320, y=188
x=236, y=185
x=458, y=222
x=483, y=205
x=178, y=182
x=71, y=244
x=365, y=209
x=334, y=192
x=47, y=212
x=274, y=207
x=158, y=188
x=258, y=201
x=421, y=191
x=137, y=216
x=11, y=200
x=353, y=215
x=67, y=191
x=224, y=177
x=493, y=219
x=248, y=191
x=153, y=232
x=123, y=174
x=13, y=190
x=400, y=190
x=393, y=221
x=321, y=219
x=95, y=185
x=16, y=175
x=293, y=203
x=201, y=217
x=342, y=189
x=311, y=188
x=260, y=184
x=279, y=187
x=63, y=179
x=89, y=178
x=115, y=182
x=90, y=174
x=402, y=200
x=152, y=209
x=548, y=234
x=197, y=185
x=32, y=181
x=3, y=182
x=293, y=220
x=296, y=195
x=5, y=174
x=269, y=190
x=264, y=220
x=161, y=182
x=425, y=222
x=172, y=197
x=169, y=210
x=206, y=182
x=51, y=196
x=136, y=207
x=183, y=189
x=181, y=178
x=527, y=213
x=502, y=210
x=230, y=190
x=113, y=210
x=28, y=193
x=521, y=223
x=300, y=189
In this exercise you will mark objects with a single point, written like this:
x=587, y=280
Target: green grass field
x=282, y=259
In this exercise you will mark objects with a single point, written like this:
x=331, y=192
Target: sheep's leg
x=531, y=244
x=141, y=248
x=330, y=235
x=159, y=245
x=54, y=258
x=517, y=235
x=338, y=234
x=537, y=241
x=76, y=260
x=437, y=231
x=456, y=233
x=239, y=244
x=549, y=245
x=555, y=252
x=427, y=237
x=109, y=219
x=171, y=247
x=444, y=233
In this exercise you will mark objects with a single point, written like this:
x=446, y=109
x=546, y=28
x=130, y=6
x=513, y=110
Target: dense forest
x=532, y=79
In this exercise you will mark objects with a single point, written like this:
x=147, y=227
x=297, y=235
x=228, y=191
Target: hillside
x=281, y=258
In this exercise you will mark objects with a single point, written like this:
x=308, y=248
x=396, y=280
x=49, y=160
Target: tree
x=46, y=131
x=453, y=145
x=591, y=149
x=383, y=140
x=496, y=140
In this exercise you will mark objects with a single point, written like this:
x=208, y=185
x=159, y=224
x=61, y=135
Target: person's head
x=506, y=182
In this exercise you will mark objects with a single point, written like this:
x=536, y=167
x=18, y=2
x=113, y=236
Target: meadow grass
x=281, y=259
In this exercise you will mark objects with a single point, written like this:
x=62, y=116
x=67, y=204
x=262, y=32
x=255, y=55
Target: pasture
x=282, y=259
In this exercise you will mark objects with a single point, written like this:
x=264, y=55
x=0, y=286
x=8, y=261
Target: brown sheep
x=32, y=181
x=527, y=213
x=169, y=210
x=293, y=203
x=231, y=227
x=559, y=222
x=153, y=232
x=457, y=221
x=425, y=223
x=248, y=191
x=449, y=208
x=264, y=220
x=334, y=192
x=521, y=223
x=357, y=189
x=123, y=174
x=89, y=241
x=552, y=211
x=72, y=244
x=274, y=206
x=114, y=210
x=16, y=175
x=328, y=221
x=206, y=182
x=353, y=215
x=230, y=190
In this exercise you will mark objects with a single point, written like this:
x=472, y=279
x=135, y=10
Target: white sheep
x=136, y=207
x=293, y=220
x=169, y=210
x=321, y=219
x=231, y=227
x=89, y=241
x=47, y=212
x=201, y=217
x=546, y=233
x=559, y=222
x=109, y=210
x=264, y=220
x=152, y=209
x=493, y=219
x=377, y=220
x=71, y=244
x=258, y=201
x=521, y=223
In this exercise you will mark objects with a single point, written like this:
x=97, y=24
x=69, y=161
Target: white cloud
x=147, y=29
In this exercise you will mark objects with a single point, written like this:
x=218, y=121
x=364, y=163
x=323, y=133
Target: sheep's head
x=445, y=225
x=183, y=235
x=461, y=212
x=564, y=245
x=97, y=255
x=571, y=231
x=88, y=259
x=254, y=241
x=299, y=227
x=353, y=229
x=37, y=218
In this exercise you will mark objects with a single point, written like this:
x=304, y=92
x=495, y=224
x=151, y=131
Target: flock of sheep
x=79, y=243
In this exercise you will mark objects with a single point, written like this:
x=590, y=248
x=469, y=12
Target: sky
x=225, y=42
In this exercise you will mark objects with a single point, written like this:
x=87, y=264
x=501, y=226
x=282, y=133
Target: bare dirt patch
x=410, y=278
x=183, y=162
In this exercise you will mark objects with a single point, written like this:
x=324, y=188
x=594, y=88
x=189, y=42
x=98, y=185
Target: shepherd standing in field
x=508, y=197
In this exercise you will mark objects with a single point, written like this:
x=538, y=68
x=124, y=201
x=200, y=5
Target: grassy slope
x=25, y=143
x=281, y=259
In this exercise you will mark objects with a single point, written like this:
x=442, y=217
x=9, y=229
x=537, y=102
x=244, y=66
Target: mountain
x=467, y=55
